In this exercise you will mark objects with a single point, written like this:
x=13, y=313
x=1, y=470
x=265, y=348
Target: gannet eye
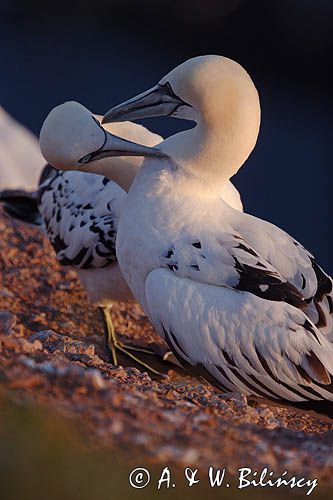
x=86, y=158
x=169, y=95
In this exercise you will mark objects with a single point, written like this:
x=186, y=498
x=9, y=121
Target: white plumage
x=81, y=208
x=234, y=296
x=21, y=161
x=246, y=343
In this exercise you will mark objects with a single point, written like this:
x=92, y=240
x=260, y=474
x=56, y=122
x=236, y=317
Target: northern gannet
x=235, y=297
x=79, y=211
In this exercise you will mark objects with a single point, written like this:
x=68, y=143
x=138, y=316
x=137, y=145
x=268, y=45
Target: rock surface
x=51, y=354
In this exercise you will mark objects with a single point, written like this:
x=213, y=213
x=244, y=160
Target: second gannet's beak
x=157, y=101
x=116, y=146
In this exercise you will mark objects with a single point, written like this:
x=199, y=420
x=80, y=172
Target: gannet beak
x=157, y=101
x=116, y=146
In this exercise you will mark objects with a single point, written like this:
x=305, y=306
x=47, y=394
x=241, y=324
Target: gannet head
x=71, y=137
x=207, y=88
x=216, y=93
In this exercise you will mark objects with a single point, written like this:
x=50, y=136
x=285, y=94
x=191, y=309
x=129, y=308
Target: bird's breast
x=147, y=224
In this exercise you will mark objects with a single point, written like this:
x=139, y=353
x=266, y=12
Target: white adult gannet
x=234, y=296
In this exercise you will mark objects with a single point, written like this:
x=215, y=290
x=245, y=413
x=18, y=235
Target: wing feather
x=244, y=343
x=80, y=213
x=231, y=261
x=255, y=257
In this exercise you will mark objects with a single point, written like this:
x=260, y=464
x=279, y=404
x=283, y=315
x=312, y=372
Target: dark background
x=101, y=52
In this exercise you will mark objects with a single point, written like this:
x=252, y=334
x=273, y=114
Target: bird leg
x=106, y=313
x=113, y=344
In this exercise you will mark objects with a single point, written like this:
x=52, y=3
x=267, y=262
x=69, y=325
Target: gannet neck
x=217, y=147
x=120, y=170
x=226, y=108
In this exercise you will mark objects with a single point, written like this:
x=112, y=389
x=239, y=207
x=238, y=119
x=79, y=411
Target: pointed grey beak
x=157, y=101
x=116, y=146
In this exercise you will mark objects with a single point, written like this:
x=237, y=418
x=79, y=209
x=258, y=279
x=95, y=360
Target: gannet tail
x=21, y=205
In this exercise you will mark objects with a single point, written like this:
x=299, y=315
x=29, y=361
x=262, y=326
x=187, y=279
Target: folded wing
x=242, y=342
